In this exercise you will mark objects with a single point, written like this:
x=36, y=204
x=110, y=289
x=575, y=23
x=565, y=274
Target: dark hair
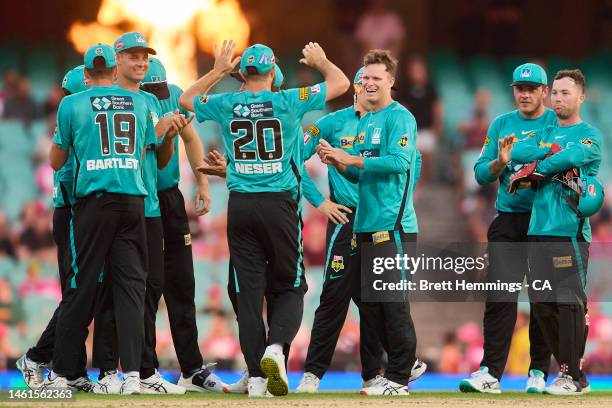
x=381, y=57
x=99, y=70
x=574, y=74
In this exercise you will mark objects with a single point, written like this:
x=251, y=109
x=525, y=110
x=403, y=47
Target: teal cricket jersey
x=581, y=143
x=107, y=128
x=387, y=141
x=149, y=166
x=261, y=132
x=339, y=129
x=505, y=125
x=169, y=176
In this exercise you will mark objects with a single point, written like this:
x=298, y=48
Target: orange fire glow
x=173, y=28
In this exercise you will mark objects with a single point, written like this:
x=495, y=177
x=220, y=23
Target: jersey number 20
x=248, y=131
x=124, y=126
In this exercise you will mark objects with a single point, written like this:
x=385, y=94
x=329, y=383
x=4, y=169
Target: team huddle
x=123, y=237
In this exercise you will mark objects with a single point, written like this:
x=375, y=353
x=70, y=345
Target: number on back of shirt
x=124, y=129
x=247, y=131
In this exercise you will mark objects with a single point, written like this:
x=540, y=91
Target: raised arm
x=224, y=64
x=337, y=83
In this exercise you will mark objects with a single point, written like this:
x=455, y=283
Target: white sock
x=276, y=348
x=133, y=374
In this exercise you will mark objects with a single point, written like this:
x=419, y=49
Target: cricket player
x=339, y=129
x=108, y=220
x=385, y=170
x=261, y=138
x=508, y=262
x=562, y=162
x=178, y=282
x=216, y=164
x=32, y=363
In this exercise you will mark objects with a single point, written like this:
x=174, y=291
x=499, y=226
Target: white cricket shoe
x=258, y=387
x=385, y=387
x=309, y=384
x=202, y=380
x=130, y=386
x=418, y=369
x=564, y=385
x=379, y=379
x=536, y=382
x=480, y=381
x=155, y=384
x=83, y=384
x=33, y=372
x=239, y=387
x=273, y=365
x=109, y=384
x=55, y=382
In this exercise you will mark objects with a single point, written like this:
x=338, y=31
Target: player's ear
x=87, y=75
x=391, y=79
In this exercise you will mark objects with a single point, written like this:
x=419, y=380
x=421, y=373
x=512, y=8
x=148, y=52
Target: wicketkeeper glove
x=527, y=176
x=554, y=148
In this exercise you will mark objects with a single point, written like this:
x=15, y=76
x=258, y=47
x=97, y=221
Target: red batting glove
x=525, y=177
x=554, y=149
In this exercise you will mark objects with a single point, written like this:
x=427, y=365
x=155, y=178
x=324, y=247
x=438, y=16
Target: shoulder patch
x=203, y=99
x=587, y=142
x=304, y=94
x=487, y=141
x=314, y=130
x=403, y=141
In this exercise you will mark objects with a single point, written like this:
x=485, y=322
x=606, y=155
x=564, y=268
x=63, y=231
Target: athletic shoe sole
x=466, y=386
x=276, y=384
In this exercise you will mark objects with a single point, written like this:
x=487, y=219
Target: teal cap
x=530, y=74
x=156, y=72
x=132, y=40
x=258, y=56
x=279, y=78
x=100, y=50
x=358, y=76
x=74, y=81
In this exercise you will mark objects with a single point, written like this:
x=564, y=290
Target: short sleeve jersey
x=107, y=128
x=261, y=132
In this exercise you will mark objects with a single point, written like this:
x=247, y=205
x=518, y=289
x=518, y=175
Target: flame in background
x=173, y=28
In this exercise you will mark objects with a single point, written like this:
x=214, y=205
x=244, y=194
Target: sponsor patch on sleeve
x=304, y=94
x=587, y=142
x=315, y=89
x=314, y=130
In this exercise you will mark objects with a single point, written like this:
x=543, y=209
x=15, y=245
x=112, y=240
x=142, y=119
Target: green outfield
x=329, y=400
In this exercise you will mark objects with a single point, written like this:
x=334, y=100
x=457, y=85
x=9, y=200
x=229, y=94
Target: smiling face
x=132, y=64
x=529, y=98
x=377, y=83
x=566, y=97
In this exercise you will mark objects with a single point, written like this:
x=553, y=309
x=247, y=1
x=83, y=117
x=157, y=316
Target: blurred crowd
x=28, y=257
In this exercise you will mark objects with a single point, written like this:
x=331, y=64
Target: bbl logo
x=403, y=141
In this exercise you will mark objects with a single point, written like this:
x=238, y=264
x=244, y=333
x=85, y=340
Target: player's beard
x=564, y=113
